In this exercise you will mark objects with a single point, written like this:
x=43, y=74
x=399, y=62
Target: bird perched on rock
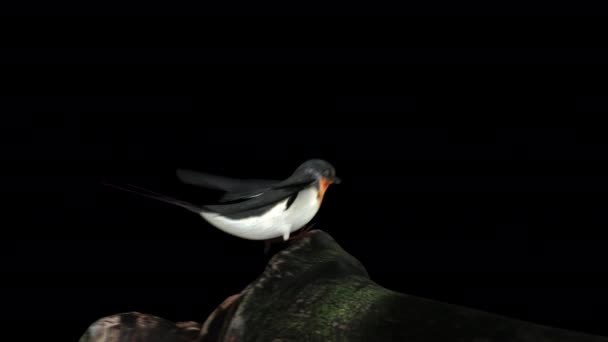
x=256, y=209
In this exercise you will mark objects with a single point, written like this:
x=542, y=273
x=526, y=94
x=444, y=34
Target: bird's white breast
x=274, y=223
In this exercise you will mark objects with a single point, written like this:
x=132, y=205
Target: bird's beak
x=335, y=180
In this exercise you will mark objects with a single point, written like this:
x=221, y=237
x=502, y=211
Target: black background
x=470, y=148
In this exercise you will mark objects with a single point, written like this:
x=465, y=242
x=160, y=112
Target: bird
x=257, y=209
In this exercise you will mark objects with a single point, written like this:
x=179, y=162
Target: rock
x=135, y=326
x=315, y=291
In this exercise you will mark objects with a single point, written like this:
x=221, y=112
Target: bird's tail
x=154, y=195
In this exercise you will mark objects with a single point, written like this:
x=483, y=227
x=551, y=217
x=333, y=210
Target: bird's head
x=322, y=171
x=319, y=169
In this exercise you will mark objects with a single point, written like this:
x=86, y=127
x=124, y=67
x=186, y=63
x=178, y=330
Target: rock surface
x=315, y=291
x=135, y=326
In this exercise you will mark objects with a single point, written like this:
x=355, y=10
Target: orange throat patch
x=323, y=185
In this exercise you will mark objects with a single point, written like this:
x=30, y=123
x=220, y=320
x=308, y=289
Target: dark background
x=470, y=148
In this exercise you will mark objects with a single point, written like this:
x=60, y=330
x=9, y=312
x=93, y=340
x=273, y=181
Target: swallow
x=258, y=209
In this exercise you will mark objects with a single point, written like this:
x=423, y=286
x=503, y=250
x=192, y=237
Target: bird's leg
x=268, y=243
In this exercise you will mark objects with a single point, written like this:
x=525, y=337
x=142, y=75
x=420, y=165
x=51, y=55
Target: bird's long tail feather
x=154, y=195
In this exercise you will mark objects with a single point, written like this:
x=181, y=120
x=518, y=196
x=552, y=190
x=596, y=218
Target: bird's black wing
x=235, y=188
x=258, y=204
x=294, y=182
x=289, y=185
x=244, y=189
x=239, y=196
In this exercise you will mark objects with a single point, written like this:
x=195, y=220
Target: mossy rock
x=313, y=290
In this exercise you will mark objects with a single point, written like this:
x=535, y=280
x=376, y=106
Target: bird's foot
x=301, y=233
x=268, y=243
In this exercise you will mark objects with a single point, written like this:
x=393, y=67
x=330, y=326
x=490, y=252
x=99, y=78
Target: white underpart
x=274, y=223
